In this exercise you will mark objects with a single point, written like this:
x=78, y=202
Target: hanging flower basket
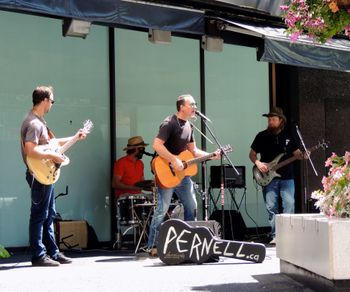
x=319, y=19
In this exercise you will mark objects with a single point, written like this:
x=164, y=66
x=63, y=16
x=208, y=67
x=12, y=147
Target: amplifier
x=214, y=226
x=231, y=179
x=71, y=234
x=235, y=228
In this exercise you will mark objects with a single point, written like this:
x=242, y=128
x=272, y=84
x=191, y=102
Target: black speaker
x=213, y=226
x=235, y=228
x=231, y=179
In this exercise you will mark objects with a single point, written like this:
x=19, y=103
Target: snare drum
x=126, y=210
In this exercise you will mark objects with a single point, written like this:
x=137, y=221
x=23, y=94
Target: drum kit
x=134, y=211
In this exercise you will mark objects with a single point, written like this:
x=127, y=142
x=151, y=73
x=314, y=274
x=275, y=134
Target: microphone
x=198, y=113
x=147, y=153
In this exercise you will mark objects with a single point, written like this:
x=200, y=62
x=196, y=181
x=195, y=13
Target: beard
x=274, y=130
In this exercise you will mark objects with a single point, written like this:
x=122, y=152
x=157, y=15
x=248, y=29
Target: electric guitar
x=47, y=171
x=178, y=242
x=263, y=179
x=168, y=177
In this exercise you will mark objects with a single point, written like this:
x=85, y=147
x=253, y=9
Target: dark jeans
x=42, y=213
x=283, y=188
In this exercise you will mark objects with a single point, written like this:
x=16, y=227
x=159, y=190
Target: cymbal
x=146, y=185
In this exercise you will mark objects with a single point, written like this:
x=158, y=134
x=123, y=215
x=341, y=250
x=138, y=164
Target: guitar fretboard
x=291, y=159
x=200, y=159
x=68, y=144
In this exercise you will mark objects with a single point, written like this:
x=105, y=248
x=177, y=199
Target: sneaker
x=273, y=241
x=62, y=259
x=45, y=261
x=153, y=252
x=144, y=249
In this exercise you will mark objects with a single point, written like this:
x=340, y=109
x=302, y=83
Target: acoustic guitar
x=47, y=171
x=263, y=179
x=168, y=177
x=178, y=242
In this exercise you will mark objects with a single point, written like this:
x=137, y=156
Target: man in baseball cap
x=275, y=144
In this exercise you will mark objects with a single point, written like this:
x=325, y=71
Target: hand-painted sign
x=178, y=242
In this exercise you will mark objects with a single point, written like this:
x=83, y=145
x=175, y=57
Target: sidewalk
x=104, y=270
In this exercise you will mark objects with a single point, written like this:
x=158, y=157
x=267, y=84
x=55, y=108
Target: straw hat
x=276, y=112
x=135, y=142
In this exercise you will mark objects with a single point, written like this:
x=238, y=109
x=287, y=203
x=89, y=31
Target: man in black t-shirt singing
x=175, y=136
x=270, y=143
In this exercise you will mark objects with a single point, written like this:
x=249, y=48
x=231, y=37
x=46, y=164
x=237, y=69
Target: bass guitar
x=168, y=177
x=263, y=179
x=47, y=171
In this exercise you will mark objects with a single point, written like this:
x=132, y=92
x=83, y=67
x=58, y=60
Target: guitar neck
x=284, y=163
x=68, y=144
x=291, y=159
x=200, y=159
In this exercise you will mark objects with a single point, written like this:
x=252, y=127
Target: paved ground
x=108, y=270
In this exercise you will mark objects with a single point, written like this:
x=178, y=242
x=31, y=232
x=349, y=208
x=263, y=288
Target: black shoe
x=213, y=259
x=45, y=261
x=62, y=259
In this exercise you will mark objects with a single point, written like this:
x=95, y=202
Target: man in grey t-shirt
x=34, y=133
x=175, y=136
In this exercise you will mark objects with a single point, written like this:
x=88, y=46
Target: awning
x=278, y=48
x=115, y=12
x=271, y=7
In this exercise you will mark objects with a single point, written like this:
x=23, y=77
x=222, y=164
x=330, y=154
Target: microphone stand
x=313, y=167
x=205, y=191
x=222, y=182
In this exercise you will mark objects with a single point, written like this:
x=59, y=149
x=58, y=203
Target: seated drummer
x=129, y=169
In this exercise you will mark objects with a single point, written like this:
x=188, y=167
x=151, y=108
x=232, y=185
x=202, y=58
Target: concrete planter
x=315, y=243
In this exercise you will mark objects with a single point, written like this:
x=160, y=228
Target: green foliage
x=4, y=253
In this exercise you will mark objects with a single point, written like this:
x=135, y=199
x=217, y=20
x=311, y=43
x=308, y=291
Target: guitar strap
x=155, y=154
x=51, y=136
x=50, y=133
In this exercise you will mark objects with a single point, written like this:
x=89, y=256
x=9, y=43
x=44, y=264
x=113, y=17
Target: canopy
x=192, y=19
x=115, y=12
x=278, y=48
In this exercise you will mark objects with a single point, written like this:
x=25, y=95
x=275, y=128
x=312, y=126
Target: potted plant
x=320, y=243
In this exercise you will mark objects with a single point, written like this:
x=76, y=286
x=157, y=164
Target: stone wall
x=318, y=101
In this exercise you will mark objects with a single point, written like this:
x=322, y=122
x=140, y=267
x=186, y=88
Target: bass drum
x=126, y=211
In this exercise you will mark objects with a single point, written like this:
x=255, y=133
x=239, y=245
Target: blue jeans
x=42, y=213
x=185, y=193
x=276, y=188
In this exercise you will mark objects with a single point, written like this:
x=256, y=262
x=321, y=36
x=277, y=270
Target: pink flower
x=337, y=175
x=347, y=28
x=328, y=162
x=331, y=212
x=294, y=36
